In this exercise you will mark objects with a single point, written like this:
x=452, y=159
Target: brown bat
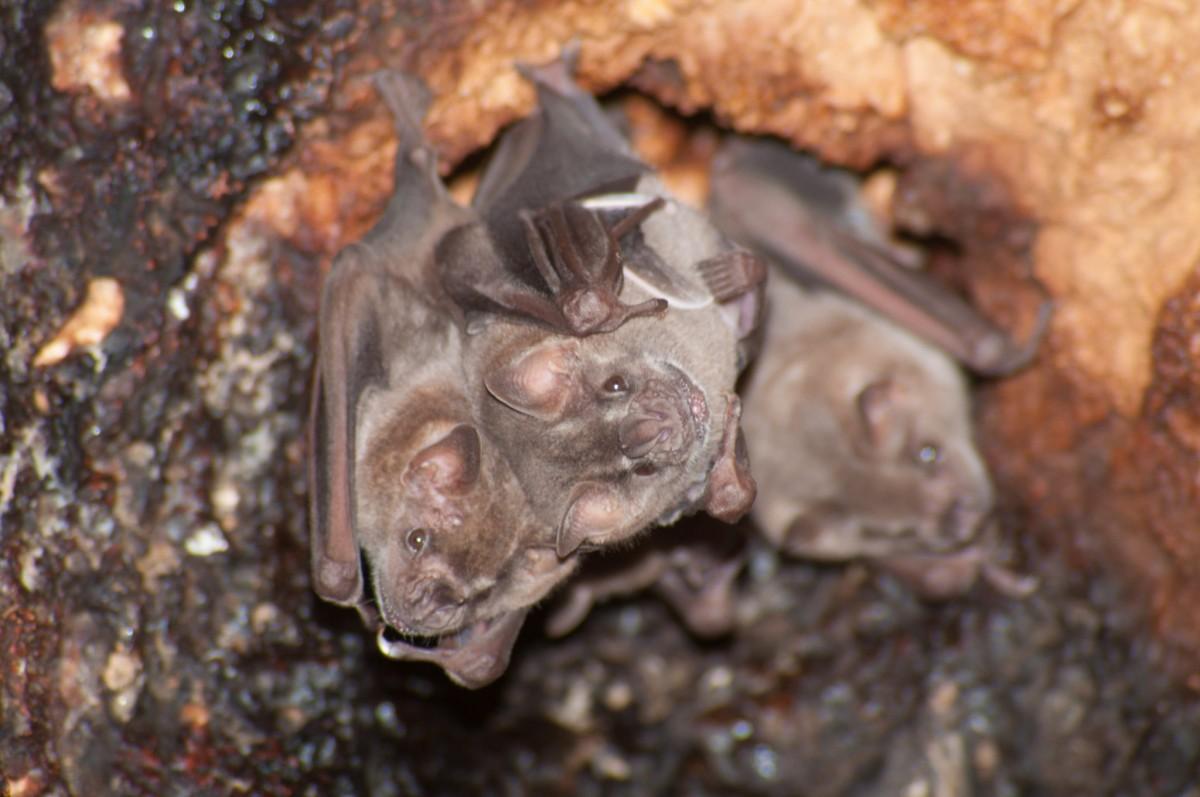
x=808, y=220
x=606, y=328
x=861, y=435
x=401, y=474
x=691, y=565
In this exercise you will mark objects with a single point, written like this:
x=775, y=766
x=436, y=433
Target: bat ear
x=876, y=409
x=450, y=466
x=537, y=383
x=731, y=487
x=593, y=515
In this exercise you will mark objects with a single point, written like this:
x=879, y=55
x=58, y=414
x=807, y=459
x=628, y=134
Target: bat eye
x=416, y=540
x=645, y=469
x=616, y=385
x=929, y=454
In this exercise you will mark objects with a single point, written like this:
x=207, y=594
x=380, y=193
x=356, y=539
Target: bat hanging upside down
x=402, y=475
x=608, y=323
x=501, y=386
x=860, y=430
x=809, y=221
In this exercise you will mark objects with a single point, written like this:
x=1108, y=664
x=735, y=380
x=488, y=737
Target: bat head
x=914, y=479
x=862, y=436
x=421, y=505
x=443, y=524
x=607, y=434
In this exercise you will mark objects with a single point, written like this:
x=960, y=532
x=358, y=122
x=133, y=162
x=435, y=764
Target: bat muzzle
x=663, y=420
x=430, y=607
x=472, y=657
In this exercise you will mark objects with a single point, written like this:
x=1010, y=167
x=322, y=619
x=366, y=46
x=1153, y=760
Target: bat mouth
x=395, y=639
x=955, y=530
x=473, y=656
x=399, y=642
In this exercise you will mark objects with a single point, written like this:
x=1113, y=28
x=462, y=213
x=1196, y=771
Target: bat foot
x=579, y=259
x=730, y=275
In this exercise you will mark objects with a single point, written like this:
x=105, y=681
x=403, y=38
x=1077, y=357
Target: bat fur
x=632, y=421
x=402, y=474
x=861, y=435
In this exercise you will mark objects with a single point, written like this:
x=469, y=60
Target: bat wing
x=810, y=230
x=420, y=211
x=349, y=360
x=538, y=254
x=369, y=285
x=565, y=150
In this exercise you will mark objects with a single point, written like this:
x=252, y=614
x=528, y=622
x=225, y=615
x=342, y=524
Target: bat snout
x=659, y=423
x=641, y=433
x=433, y=606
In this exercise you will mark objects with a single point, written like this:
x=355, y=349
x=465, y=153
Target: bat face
x=611, y=397
x=861, y=434
x=444, y=527
x=608, y=437
x=444, y=524
x=426, y=524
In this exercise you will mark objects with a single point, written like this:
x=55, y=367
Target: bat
x=861, y=435
x=691, y=565
x=402, y=477
x=606, y=324
x=808, y=220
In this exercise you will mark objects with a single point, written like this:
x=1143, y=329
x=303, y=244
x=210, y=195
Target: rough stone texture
x=157, y=631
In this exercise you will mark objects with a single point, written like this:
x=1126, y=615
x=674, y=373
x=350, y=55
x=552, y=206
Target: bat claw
x=732, y=274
